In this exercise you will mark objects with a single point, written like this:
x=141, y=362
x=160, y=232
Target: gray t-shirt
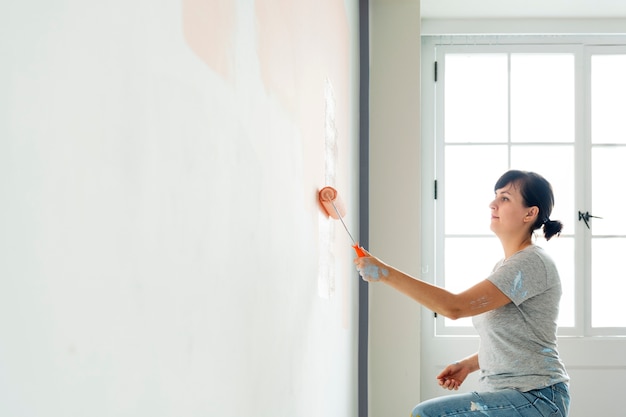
x=518, y=346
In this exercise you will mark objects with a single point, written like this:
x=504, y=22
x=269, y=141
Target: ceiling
x=522, y=9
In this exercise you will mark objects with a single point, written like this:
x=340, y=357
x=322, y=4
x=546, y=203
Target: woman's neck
x=513, y=246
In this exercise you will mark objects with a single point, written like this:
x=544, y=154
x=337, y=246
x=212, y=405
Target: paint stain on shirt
x=518, y=286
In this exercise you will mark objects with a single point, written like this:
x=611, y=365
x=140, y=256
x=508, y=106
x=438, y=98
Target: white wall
x=162, y=252
x=394, y=383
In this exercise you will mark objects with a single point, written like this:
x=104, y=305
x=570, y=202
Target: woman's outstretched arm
x=482, y=297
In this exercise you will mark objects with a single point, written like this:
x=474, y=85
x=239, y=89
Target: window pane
x=467, y=262
x=608, y=89
x=541, y=159
x=471, y=171
x=608, y=282
x=542, y=98
x=608, y=198
x=476, y=101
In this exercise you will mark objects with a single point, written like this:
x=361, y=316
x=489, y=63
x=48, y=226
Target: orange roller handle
x=359, y=251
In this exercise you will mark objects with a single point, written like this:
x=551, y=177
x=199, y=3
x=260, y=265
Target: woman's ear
x=531, y=214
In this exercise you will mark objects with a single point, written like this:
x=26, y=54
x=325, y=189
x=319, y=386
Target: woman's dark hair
x=536, y=191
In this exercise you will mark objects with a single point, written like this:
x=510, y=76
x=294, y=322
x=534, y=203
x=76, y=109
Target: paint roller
x=334, y=207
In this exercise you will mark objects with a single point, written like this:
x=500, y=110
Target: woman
x=514, y=312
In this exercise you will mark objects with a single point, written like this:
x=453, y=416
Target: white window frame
x=432, y=157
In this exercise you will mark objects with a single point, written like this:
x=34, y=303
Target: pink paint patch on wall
x=297, y=54
x=292, y=57
x=209, y=28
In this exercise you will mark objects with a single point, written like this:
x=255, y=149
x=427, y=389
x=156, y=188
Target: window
x=556, y=109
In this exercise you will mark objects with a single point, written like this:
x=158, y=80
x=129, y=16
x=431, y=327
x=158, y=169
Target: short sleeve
x=521, y=277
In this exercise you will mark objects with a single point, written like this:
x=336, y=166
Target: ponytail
x=551, y=228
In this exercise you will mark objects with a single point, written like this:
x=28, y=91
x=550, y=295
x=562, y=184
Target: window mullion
x=583, y=197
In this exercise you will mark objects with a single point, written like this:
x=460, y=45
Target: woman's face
x=509, y=214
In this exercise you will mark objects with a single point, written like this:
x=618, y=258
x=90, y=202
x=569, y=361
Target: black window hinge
x=585, y=217
x=435, y=190
x=436, y=71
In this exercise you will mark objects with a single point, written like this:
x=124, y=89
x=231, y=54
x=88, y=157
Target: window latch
x=585, y=217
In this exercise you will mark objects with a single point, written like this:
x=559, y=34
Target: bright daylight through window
x=554, y=109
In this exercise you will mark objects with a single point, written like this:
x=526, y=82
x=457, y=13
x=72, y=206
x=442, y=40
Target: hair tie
x=546, y=220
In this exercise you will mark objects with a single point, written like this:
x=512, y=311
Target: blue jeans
x=551, y=401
